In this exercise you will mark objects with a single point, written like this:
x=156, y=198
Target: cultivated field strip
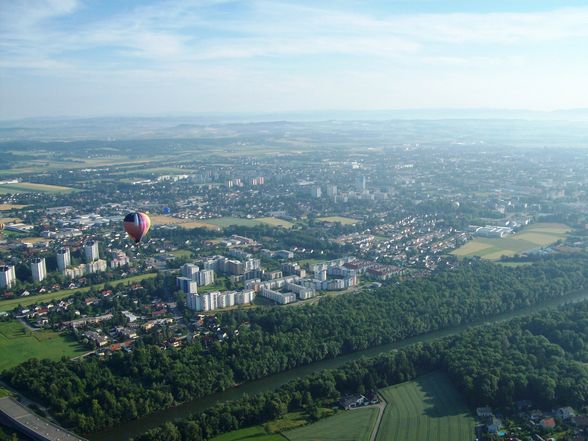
x=428, y=408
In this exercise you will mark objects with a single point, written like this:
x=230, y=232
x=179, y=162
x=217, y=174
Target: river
x=127, y=430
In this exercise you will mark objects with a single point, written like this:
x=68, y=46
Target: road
x=381, y=406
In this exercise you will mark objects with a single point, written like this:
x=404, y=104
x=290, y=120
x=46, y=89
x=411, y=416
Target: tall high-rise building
x=331, y=190
x=315, y=191
x=205, y=277
x=38, y=269
x=189, y=270
x=7, y=276
x=194, y=301
x=187, y=285
x=91, y=250
x=360, y=183
x=63, y=258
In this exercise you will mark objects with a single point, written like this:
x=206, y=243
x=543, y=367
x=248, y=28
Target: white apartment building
x=7, y=276
x=39, y=269
x=63, y=258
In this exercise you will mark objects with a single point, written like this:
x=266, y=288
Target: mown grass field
x=255, y=433
x=342, y=220
x=10, y=304
x=275, y=222
x=160, y=219
x=534, y=236
x=18, y=344
x=353, y=425
x=29, y=187
x=224, y=222
x=428, y=408
x=7, y=207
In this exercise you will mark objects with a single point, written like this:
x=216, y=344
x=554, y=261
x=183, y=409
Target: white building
x=193, y=301
x=205, y=277
x=244, y=297
x=63, y=258
x=189, y=270
x=119, y=259
x=303, y=292
x=187, y=285
x=39, y=269
x=75, y=271
x=278, y=297
x=7, y=276
x=315, y=191
x=91, y=250
x=96, y=266
x=331, y=190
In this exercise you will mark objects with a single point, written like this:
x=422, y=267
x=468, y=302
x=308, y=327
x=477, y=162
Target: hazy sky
x=123, y=57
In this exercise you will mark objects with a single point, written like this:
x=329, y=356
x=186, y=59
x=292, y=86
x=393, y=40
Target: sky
x=125, y=57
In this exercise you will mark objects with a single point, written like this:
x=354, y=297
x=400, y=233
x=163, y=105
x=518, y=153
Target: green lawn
x=29, y=187
x=342, y=220
x=18, y=344
x=275, y=222
x=531, y=237
x=182, y=253
x=428, y=408
x=351, y=425
x=224, y=222
x=10, y=304
x=256, y=433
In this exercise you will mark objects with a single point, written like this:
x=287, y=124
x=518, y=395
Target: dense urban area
x=276, y=246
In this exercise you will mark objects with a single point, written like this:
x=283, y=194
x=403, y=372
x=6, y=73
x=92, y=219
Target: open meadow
x=353, y=425
x=255, y=433
x=8, y=207
x=338, y=219
x=18, y=344
x=30, y=187
x=428, y=408
x=532, y=237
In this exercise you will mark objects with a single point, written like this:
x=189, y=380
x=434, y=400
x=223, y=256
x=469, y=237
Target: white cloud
x=204, y=53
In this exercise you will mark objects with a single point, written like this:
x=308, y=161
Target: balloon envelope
x=1, y=226
x=166, y=210
x=136, y=225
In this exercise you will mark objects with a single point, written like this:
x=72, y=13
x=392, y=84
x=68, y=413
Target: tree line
x=540, y=358
x=93, y=394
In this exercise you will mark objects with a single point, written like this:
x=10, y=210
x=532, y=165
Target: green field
x=10, y=304
x=428, y=408
x=352, y=425
x=342, y=220
x=224, y=222
x=29, y=187
x=18, y=344
x=256, y=433
x=275, y=222
x=534, y=236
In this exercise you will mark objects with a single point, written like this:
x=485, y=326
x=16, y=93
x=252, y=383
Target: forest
x=94, y=394
x=541, y=358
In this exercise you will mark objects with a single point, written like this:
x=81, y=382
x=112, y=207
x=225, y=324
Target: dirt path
x=381, y=406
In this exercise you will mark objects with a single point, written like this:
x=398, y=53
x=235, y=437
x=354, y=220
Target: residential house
x=353, y=401
x=565, y=413
x=548, y=423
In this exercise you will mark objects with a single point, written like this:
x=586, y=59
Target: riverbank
x=136, y=427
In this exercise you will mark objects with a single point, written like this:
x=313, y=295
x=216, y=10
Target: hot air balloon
x=166, y=210
x=1, y=226
x=136, y=225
